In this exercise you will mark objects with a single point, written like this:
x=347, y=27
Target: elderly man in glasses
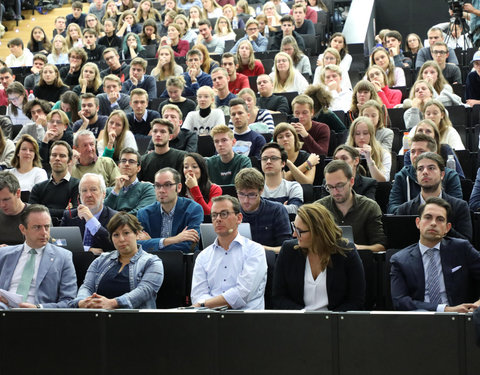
x=129, y=194
x=232, y=272
x=349, y=208
x=172, y=222
x=269, y=221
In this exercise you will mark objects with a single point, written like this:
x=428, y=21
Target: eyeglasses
x=222, y=214
x=14, y=99
x=248, y=196
x=299, y=232
x=436, y=52
x=129, y=161
x=272, y=158
x=338, y=187
x=166, y=185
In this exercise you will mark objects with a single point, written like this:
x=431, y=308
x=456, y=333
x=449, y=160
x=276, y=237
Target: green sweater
x=222, y=173
x=138, y=196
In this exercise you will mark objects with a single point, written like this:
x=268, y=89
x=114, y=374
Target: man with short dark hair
x=394, y=47
x=302, y=25
x=11, y=207
x=77, y=57
x=6, y=78
x=42, y=273
x=194, y=76
x=92, y=48
x=450, y=71
x=163, y=156
x=287, y=28
x=310, y=13
x=141, y=117
x=438, y=273
x=36, y=110
x=112, y=98
x=223, y=96
x=405, y=186
x=237, y=81
x=249, y=142
x=60, y=192
x=139, y=80
x=39, y=61
x=19, y=55
x=430, y=169
x=267, y=100
x=173, y=222
x=269, y=220
x=214, y=45
x=129, y=194
x=89, y=117
x=60, y=27
x=233, y=270
x=435, y=34
x=350, y=208
x=111, y=57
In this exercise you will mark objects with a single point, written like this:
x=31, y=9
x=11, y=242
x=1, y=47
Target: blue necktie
x=27, y=275
x=433, y=282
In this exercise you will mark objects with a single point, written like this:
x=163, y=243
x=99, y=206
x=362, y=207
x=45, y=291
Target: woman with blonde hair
x=390, y=97
x=146, y=11
x=111, y=11
x=244, y=10
x=26, y=163
x=260, y=119
x=223, y=29
x=59, y=54
x=319, y=269
x=230, y=12
x=7, y=150
x=116, y=136
x=395, y=75
x=208, y=64
x=211, y=9
x=431, y=72
x=247, y=63
x=89, y=80
x=362, y=137
x=207, y=116
x=300, y=61
x=300, y=165
x=166, y=67
x=194, y=16
x=186, y=33
x=273, y=18
x=74, y=36
x=285, y=77
x=374, y=111
x=420, y=93
x=50, y=87
x=175, y=86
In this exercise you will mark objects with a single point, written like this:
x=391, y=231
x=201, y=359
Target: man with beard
x=348, y=208
x=91, y=216
x=85, y=159
x=61, y=190
x=129, y=194
x=163, y=156
x=438, y=273
x=430, y=169
x=89, y=117
x=111, y=57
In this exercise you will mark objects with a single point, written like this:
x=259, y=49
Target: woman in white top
x=59, y=53
x=317, y=271
x=331, y=77
x=7, y=150
x=116, y=136
x=331, y=57
x=285, y=77
x=17, y=99
x=74, y=36
x=223, y=29
x=26, y=163
x=362, y=137
x=166, y=66
x=435, y=111
x=395, y=75
x=207, y=116
x=338, y=42
x=211, y=9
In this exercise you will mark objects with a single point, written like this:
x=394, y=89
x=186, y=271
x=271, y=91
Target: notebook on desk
x=69, y=238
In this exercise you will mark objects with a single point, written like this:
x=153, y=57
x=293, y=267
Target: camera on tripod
x=457, y=8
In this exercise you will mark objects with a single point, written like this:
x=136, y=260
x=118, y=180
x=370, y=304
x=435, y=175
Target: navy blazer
x=345, y=280
x=461, y=273
x=56, y=283
x=101, y=239
x=460, y=215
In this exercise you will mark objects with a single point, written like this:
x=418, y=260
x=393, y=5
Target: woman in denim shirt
x=127, y=278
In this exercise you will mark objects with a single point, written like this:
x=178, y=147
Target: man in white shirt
x=19, y=56
x=237, y=280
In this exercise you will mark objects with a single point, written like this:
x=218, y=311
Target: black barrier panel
x=45, y=342
x=161, y=343
x=400, y=344
x=276, y=343
x=472, y=351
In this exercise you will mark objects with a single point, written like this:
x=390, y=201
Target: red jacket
x=256, y=71
x=240, y=83
x=215, y=191
x=390, y=97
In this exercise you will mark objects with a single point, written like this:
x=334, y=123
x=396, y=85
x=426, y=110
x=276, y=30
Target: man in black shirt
x=77, y=57
x=266, y=100
x=93, y=49
x=302, y=25
x=287, y=24
x=111, y=57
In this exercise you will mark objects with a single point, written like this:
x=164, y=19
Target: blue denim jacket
x=145, y=273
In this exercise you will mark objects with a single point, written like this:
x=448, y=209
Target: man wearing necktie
x=42, y=273
x=438, y=273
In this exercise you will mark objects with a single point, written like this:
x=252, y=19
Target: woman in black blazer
x=334, y=271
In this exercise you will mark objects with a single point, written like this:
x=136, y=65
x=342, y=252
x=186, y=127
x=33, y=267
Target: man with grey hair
x=11, y=207
x=91, y=216
x=85, y=159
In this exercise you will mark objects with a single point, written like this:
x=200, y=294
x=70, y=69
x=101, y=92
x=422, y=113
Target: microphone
x=230, y=231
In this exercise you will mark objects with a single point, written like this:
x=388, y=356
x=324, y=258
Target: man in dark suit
x=430, y=169
x=91, y=216
x=42, y=273
x=437, y=273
